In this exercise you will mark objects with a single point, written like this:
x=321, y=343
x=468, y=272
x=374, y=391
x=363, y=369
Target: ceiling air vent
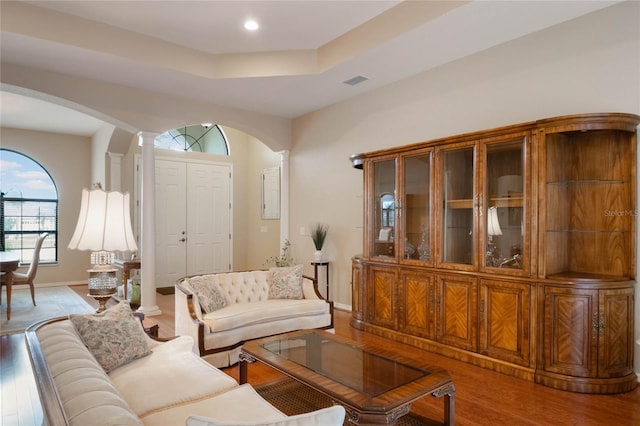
x=355, y=80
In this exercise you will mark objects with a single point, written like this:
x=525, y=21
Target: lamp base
x=102, y=301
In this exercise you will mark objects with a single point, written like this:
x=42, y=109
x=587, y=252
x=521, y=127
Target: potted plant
x=319, y=235
x=284, y=259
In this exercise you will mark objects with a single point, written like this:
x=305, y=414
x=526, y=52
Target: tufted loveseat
x=246, y=306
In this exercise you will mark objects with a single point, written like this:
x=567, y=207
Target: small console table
x=126, y=266
x=316, y=265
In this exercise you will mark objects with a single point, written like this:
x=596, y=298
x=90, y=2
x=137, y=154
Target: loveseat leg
x=243, y=362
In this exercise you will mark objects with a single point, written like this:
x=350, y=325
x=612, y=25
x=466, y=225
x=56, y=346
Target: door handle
x=182, y=240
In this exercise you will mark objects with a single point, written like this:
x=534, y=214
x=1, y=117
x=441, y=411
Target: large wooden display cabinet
x=511, y=248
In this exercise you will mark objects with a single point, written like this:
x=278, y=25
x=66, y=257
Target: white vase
x=317, y=255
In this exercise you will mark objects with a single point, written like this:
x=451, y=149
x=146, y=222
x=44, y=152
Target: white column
x=148, y=304
x=284, y=197
x=115, y=172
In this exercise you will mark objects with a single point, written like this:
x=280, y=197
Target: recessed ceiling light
x=251, y=25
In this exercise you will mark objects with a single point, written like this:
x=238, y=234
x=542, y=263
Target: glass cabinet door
x=416, y=208
x=384, y=211
x=457, y=234
x=504, y=220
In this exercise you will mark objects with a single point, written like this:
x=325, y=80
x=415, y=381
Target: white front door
x=171, y=222
x=193, y=219
x=208, y=218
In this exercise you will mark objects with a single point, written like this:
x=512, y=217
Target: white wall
x=251, y=246
x=591, y=64
x=99, y=145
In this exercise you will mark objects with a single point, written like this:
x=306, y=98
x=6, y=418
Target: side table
x=151, y=327
x=126, y=266
x=316, y=265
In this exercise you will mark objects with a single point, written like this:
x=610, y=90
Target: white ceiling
x=294, y=64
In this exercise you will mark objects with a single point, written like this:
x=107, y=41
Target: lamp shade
x=493, y=225
x=104, y=223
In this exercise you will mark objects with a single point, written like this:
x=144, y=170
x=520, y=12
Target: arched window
x=204, y=137
x=28, y=207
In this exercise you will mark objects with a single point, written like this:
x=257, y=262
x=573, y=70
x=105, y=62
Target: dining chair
x=29, y=276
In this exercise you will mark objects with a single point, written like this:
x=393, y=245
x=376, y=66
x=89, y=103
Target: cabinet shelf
x=515, y=201
x=460, y=204
x=584, y=277
x=588, y=231
x=465, y=203
x=586, y=182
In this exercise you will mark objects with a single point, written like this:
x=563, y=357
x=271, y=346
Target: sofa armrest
x=310, y=288
x=310, y=291
x=188, y=317
x=53, y=412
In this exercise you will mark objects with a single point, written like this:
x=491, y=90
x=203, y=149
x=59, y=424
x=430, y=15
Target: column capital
x=144, y=136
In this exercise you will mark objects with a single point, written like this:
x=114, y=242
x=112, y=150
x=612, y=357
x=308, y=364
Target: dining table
x=9, y=262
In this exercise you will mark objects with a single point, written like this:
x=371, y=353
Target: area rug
x=292, y=397
x=51, y=302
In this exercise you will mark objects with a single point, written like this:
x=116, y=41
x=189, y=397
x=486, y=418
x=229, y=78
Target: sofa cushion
x=237, y=405
x=209, y=294
x=114, y=337
x=333, y=415
x=247, y=314
x=171, y=375
x=286, y=283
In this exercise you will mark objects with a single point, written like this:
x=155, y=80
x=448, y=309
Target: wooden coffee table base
x=390, y=418
x=363, y=418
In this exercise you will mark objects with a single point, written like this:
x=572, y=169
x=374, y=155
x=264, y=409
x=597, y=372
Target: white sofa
x=250, y=310
x=169, y=386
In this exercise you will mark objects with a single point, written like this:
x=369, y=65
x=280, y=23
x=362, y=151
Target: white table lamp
x=104, y=226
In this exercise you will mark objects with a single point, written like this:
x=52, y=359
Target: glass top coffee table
x=375, y=384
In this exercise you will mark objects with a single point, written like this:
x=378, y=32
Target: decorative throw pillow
x=209, y=294
x=115, y=337
x=286, y=283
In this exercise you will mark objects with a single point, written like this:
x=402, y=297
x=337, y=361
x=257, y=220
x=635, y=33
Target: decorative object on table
x=409, y=249
x=284, y=259
x=135, y=291
x=423, y=248
x=104, y=226
x=319, y=235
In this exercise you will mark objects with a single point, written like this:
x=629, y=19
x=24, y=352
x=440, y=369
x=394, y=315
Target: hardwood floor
x=483, y=397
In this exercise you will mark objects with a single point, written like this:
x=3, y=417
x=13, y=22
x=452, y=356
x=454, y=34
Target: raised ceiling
x=294, y=64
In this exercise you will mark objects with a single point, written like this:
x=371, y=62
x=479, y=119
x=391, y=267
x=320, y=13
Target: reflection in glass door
x=504, y=205
x=457, y=224
x=417, y=207
x=384, y=175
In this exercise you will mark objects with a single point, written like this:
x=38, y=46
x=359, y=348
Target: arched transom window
x=204, y=137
